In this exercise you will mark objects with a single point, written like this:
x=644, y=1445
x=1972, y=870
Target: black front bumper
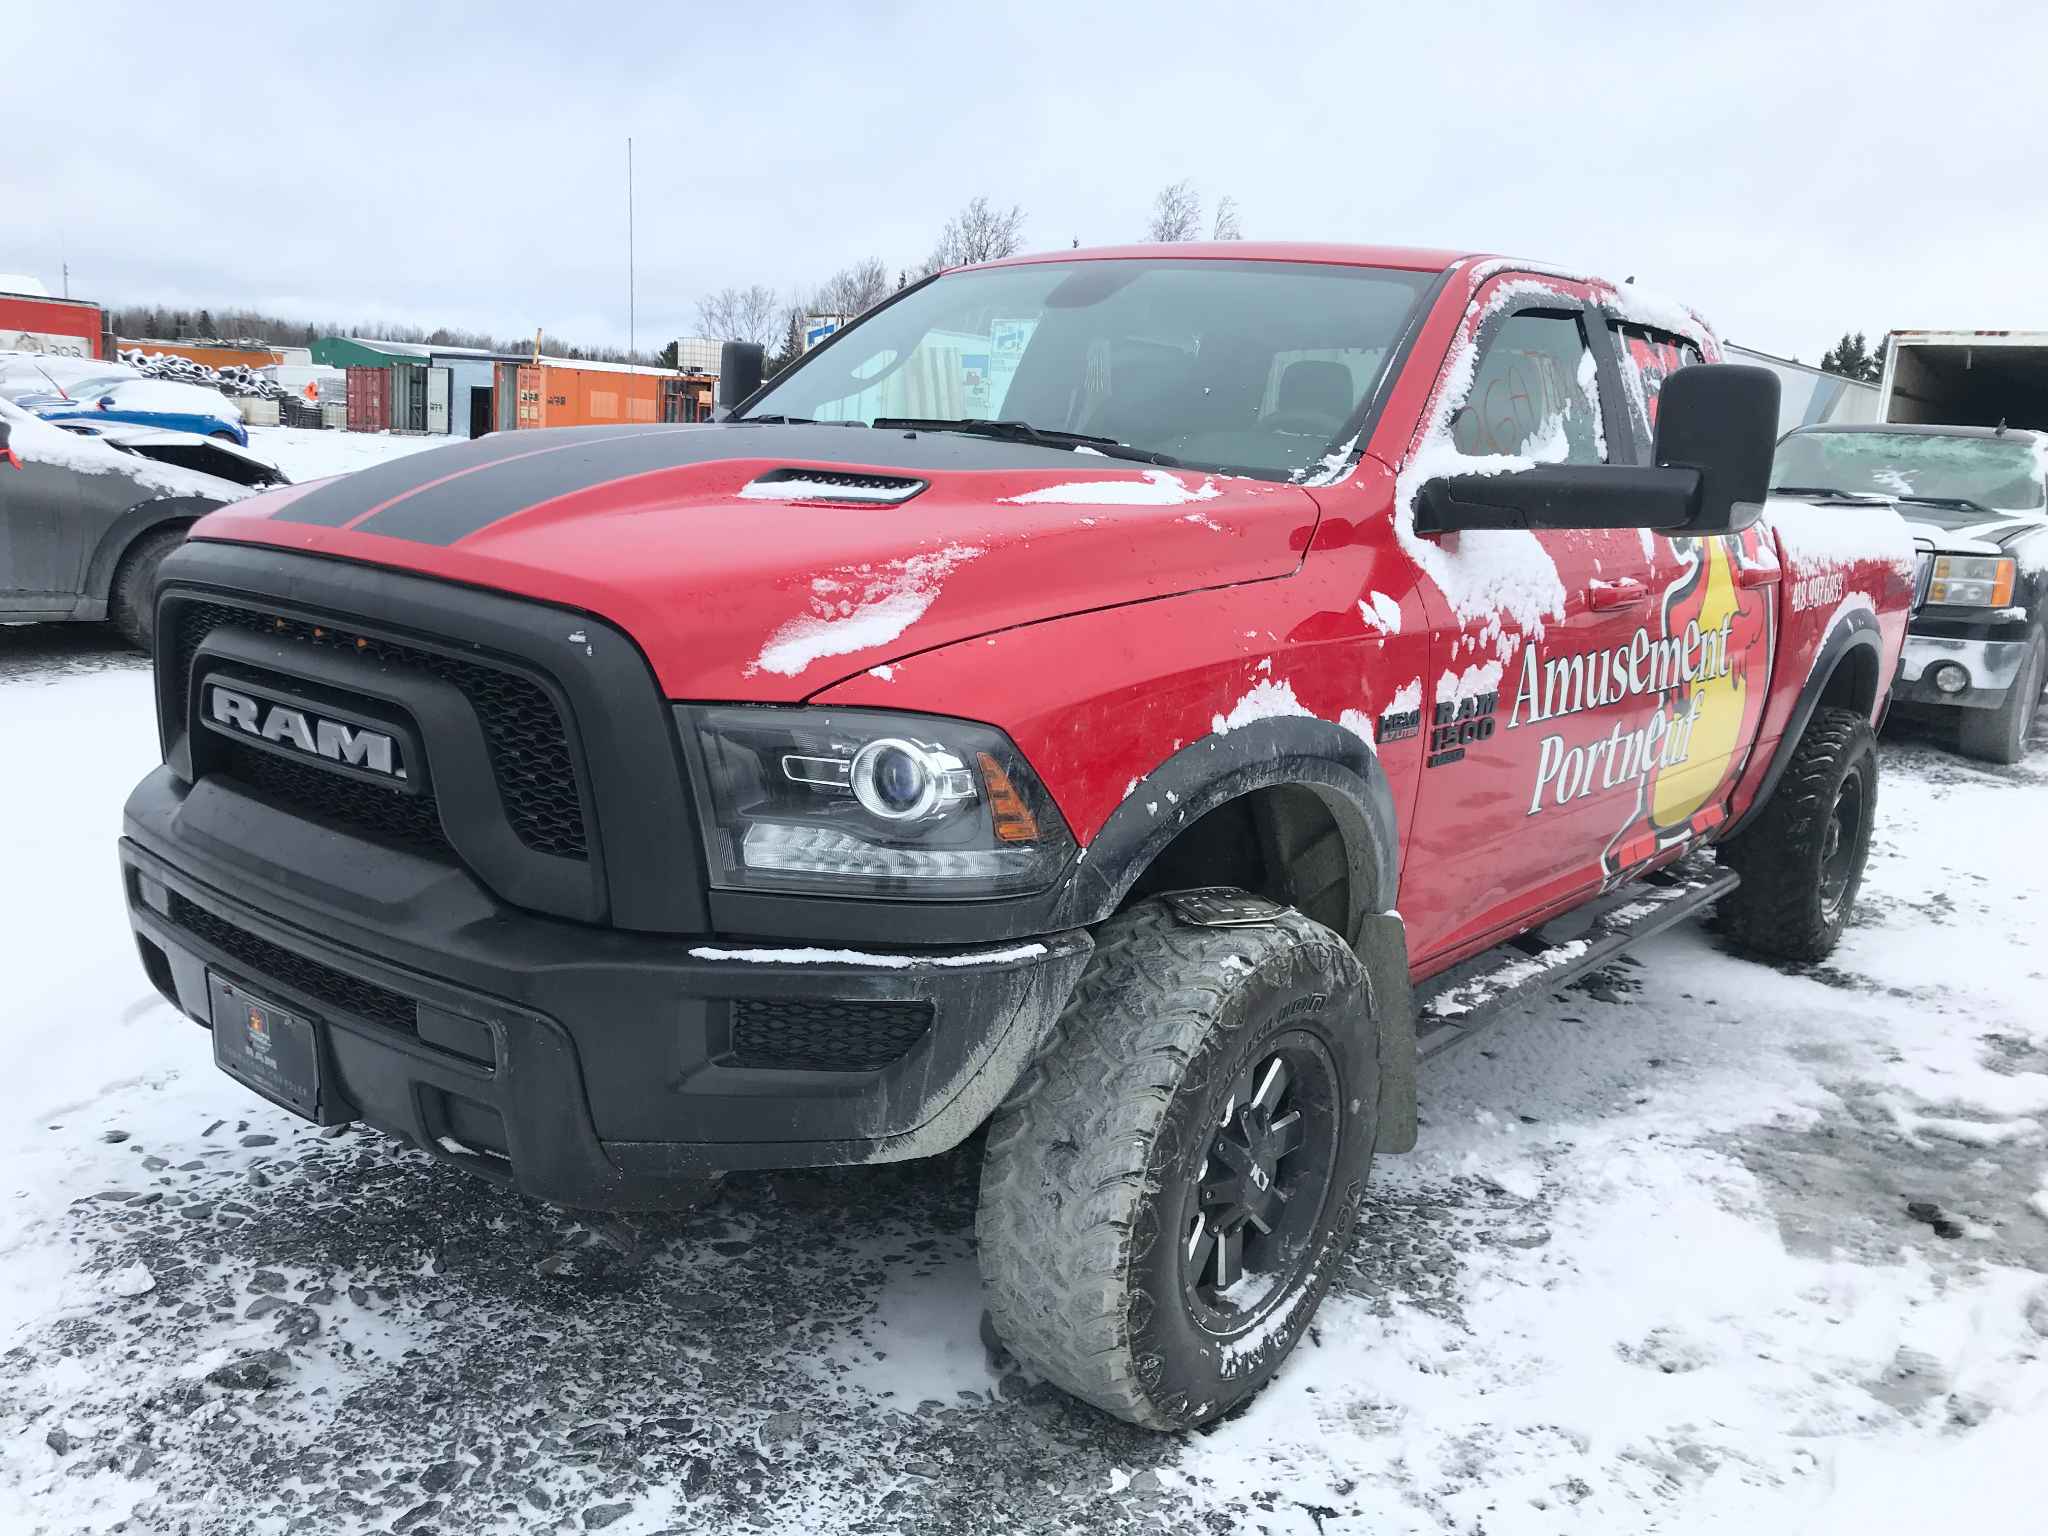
x=582, y=1064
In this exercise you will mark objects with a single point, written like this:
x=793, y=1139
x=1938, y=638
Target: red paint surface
x=1104, y=638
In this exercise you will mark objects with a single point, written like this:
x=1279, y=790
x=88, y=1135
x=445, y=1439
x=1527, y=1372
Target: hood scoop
x=831, y=485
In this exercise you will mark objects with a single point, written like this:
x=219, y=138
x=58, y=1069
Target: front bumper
x=1990, y=665
x=582, y=1064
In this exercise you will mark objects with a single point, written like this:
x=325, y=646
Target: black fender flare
x=1854, y=631
x=1344, y=772
x=144, y=517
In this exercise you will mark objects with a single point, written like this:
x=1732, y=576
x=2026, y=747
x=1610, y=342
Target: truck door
x=1534, y=730
x=1711, y=629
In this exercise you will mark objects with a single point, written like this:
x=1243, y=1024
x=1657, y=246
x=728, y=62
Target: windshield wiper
x=1824, y=490
x=1957, y=503
x=1024, y=432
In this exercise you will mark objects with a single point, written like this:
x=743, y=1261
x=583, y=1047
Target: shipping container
x=65, y=327
x=1966, y=378
x=369, y=399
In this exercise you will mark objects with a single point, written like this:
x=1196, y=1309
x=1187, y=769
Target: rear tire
x=132, y=603
x=1166, y=1196
x=1802, y=859
x=2000, y=735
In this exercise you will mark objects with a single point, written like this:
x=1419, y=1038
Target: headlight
x=1972, y=581
x=861, y=801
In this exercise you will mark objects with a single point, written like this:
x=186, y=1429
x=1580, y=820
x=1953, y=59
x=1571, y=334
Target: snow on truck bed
x=1698, y=1246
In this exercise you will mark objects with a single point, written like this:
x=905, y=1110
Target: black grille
x=528, y=744
x=812, y=1035
x=411, y=821
x=273, y=962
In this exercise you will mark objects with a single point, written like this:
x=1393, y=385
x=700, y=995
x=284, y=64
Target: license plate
x=271, y=1049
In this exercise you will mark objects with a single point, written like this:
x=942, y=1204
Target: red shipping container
x=69, y=327
x=369, y=399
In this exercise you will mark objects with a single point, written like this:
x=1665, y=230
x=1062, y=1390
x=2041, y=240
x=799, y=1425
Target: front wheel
x=132, y=602
x=1802, y=859
x=1167, y=1195
x=2000, y=735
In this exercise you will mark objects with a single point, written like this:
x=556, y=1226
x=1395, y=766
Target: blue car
x=143, y=402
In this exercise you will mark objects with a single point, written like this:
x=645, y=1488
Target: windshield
x=1254, y=366
x=92, y=389
x=2004, y=474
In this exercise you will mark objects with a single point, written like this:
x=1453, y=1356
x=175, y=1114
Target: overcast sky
x=1791, y=175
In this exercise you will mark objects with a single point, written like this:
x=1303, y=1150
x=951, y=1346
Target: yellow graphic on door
x=1716, y=703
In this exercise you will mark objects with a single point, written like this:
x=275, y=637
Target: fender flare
x=1344, y=772
x=1855, y=630
x=144, y=517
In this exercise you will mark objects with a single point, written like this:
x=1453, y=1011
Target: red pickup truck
x=1139, y=701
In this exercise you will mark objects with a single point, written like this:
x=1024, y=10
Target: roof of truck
x=1402, y=257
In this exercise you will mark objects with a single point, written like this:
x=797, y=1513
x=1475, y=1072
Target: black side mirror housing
x=1721, y=419
x=741, y=367
x=1717, y=427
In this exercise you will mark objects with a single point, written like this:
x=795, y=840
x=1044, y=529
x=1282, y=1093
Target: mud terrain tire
x=1134, y=1130
x=1802, y=859
x=132, y=603
x=2000, y=735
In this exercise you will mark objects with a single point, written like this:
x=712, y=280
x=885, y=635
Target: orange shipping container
x=212, y=357
x=560, y=393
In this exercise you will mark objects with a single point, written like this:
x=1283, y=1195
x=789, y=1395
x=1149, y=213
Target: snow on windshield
x=1997, y=474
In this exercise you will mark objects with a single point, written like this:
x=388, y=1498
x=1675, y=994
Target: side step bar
x=1455, y=1006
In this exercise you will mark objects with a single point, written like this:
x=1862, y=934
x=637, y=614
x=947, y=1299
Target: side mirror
x=8, y=459
x=741, y=366
x=1717, y=426
x=1721, y=419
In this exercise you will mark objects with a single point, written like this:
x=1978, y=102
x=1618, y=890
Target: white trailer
x=1966, y=378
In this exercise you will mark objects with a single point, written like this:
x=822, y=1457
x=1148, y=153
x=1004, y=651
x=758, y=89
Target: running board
x=1458, y=1004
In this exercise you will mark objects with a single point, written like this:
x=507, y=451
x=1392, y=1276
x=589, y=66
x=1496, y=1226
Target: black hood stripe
x=447, y=494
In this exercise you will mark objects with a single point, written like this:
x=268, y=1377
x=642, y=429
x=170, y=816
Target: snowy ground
x=1696, y=1246
x=311, y=453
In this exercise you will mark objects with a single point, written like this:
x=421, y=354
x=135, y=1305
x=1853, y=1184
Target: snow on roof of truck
x=1404, y=258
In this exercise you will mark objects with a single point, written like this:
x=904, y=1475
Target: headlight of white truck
x=867, y=802
x=1972, y=581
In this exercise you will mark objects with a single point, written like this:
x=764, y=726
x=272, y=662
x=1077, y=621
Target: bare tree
x=978, y=233
x=740, y=314
x=853, y=290
x=1176, y=213
x=1226, y=220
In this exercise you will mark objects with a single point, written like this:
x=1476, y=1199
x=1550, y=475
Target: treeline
x=231, y=326
x=755, y=312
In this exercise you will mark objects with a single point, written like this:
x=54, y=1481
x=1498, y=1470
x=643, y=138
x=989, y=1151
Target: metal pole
x=631, y=318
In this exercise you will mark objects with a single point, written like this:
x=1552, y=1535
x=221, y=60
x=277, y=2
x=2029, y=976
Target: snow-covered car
x=87, y=517
x=142, y=402
x=214, y=456
x=46, y=373
x=1976, y=498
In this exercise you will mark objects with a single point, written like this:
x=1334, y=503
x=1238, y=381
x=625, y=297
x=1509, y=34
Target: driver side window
x=1535, y=394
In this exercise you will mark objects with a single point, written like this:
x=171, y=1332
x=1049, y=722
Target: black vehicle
x=87, y=516
x=1977, y=499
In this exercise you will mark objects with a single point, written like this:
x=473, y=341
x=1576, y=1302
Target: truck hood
x=1970, y=531
x=763, y=563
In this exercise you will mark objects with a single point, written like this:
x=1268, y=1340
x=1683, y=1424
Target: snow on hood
x=1821, y=536
x=42, y=442
x=1157, y=488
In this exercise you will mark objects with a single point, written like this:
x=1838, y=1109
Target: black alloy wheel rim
x=1256, y=1195
x=1838, y=847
